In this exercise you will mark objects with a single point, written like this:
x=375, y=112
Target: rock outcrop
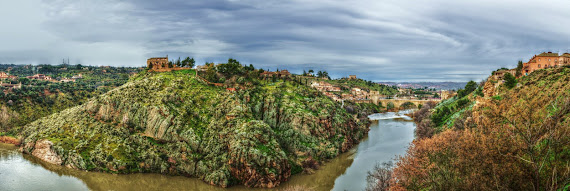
x=44, y=151
x=172, y=123
x=490, y=88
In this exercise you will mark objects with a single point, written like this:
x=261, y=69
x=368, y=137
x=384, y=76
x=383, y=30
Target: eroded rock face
x=167, y=123
x=256, y=159
x=490, y=88
x=43, y=150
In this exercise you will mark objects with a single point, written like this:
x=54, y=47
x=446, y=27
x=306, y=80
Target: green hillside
x=174, y=123
x=495, y=138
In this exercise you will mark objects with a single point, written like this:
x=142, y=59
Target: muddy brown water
x=389, y=135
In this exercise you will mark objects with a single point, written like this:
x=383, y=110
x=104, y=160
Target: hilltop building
x=545, y=60
x=279, y=74
x=325, y=87
x=12, y=86
x=202, y=68
x=79, y=76
x=499, y=75
x=352, y=77
x=39, y=77
x=4, y=75
x=157, y=63
x=446, y=94
x=67, y=80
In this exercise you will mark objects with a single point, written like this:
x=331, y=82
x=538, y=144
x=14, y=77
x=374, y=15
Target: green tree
x=469, y=87
x=510, y=80
x=191, y=63
x=178, y=62
x=326, y=75
x=249, y=68
x=519, y=69
x=184, y=62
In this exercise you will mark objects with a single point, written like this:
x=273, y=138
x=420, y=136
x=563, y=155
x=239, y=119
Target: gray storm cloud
x=432, y=40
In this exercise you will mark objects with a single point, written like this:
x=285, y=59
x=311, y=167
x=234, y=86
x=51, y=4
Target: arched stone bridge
x=400, y=102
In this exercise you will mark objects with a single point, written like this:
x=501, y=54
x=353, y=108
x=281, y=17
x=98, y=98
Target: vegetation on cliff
x=502, y=137
x=175, y=123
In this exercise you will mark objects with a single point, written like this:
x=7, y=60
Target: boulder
x=43, y=150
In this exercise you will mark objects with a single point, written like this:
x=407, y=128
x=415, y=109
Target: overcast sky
x=396, y=40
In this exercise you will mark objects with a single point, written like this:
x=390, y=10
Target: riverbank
x=389, y=135
x=10, y=140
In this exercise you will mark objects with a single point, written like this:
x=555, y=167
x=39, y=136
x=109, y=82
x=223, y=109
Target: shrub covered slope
x=501, y=137
x=174, y=123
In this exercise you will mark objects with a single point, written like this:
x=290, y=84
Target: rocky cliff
x=172, y=123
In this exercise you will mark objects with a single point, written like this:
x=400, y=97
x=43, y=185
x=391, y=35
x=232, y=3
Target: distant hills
x=429, y=85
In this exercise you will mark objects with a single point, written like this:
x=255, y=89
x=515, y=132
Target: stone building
x=564, y=59
x=202, y=68
x=4, y=75
x=12, y=86
x=279, y=74
x=39, y=77
x=157, y=63
x=545, y=60
x=79, y=76
x=499, y=75
x=446, y=94
x=325, y=87
x=352, y=77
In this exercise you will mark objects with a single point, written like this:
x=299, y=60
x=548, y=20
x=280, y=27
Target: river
x=389, y=136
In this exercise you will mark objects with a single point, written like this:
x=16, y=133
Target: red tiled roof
x=548, y=54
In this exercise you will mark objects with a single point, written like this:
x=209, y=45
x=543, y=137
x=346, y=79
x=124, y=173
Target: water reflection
x=387, y=137
x=24, y=172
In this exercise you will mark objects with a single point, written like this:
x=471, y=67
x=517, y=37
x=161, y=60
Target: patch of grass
x=154, y=141
x=263, y=148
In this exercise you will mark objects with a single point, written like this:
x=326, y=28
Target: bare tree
x=379, y=178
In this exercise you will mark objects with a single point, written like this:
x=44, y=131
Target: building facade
x=39, y=77
x=157, y=63
x=545, y=60
x=4, y=75
x=500, y=75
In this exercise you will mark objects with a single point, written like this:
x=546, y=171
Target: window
x=549, y=59
x=539, y=59
x=539, y=65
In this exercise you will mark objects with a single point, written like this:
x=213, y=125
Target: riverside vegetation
x=496, y=136
x=175, y=123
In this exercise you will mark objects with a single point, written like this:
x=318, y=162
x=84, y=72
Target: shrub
x=510, y=80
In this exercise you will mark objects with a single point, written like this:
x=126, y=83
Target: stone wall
x=157, y=63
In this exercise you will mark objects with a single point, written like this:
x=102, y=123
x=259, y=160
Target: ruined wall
x=157, y=63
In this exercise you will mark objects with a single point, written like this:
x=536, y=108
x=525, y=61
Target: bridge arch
x=399, y=102
x=408, y=105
